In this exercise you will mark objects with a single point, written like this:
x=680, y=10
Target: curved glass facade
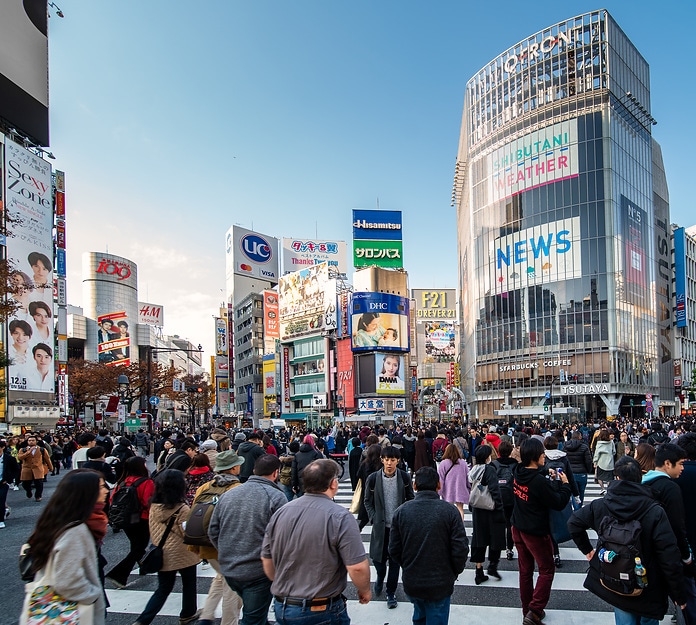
x=554, y=193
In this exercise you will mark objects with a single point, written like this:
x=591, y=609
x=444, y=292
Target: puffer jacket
x=176, y=555
x=579, y=456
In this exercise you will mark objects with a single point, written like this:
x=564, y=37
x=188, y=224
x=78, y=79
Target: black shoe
x=557, y=561
x=29, y=495
x=391, y=601
x=493, y=571
x=532, y=618
x=377, y=588
x=480, y=577
x=509, y=554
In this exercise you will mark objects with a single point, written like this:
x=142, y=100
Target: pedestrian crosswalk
x=476, y=605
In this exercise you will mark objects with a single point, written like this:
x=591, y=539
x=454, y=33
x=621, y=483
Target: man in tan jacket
x=227, y=467
x=36, y=463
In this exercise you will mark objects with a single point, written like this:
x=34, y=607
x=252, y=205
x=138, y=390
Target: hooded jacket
x=533, y=496
x=579, y=456
x=301, y=459
x=604, y=455
x=557, y=459
x=251, y=452
x=626, y=501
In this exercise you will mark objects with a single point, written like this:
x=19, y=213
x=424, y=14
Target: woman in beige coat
x=168, y=502
x=36, y=464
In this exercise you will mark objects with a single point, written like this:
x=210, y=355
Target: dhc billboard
x=379, y=322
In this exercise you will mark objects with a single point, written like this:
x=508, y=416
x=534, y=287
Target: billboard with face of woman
x=379, y=321
x=389, y=374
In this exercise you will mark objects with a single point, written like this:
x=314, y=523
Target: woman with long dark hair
x=63, y=549
x=135, y=473
x=167, y=502
x=371, y=462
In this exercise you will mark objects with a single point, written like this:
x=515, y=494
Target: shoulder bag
x=153, y=560
x=480, y=497
x=357, y=498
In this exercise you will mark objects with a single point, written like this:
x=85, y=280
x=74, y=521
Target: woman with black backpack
x=134, y=476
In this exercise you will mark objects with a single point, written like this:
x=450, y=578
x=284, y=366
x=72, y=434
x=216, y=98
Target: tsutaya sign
x=585, y=389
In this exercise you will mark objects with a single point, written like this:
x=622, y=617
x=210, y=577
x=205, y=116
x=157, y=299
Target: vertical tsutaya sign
x=271, y=323
x=539, y=158
x=680, y=276
x=538, y=255
x=113, y=339
x=29, y=202
x=377, y=238
x=636, y=273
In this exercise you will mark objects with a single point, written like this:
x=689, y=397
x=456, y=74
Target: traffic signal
x=199, y=389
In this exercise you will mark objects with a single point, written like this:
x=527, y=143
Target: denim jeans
x=289, y=493
x=335, y=614
x=581, y=481
x=430, y=612
x=256, y=598
x=628, y=618
x=165, y=585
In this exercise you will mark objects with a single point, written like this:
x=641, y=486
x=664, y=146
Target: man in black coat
x=429, y=542
x=182, y=458
x=580, y=458
x=385, y=491
x=9, y=471
x=626, y=500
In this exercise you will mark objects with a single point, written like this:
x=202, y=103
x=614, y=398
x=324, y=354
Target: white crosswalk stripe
x=570, y=603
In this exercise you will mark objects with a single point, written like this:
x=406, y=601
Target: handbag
x=357, y=498
x=480, y=497
x=153, y=559
x=26, y=564
x=558, y=520
x=44, y=606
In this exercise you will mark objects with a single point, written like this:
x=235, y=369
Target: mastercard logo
x=244, y=267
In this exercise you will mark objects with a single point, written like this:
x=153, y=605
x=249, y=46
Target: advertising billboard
x=635, y=257
x=113, y=338
x=345, y=380
x=379, y=322
x=431, y=304
x=377, y=238
x=307, y=302
x=439, y=340
x=220, y=336
x=251, y=254
x=28, y=202
x=680, y=276
x=534, y=160
x=300, y=253
x=24, y=67
x=271, y=321
x=151, y=314
x=270, y=397
x=389, y=374
x=537, y=255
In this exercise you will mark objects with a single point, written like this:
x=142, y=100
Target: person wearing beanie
x=209, y=448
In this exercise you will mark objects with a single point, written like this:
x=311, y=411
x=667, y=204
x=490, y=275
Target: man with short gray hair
x=302, y=594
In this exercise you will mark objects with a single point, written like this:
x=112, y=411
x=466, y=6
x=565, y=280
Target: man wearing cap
x=227, y=467
x=251, y=451
x=309, y=577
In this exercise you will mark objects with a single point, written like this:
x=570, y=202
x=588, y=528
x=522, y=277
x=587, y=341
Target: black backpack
x=623, y=538
x=125, y=508
x=505, y=477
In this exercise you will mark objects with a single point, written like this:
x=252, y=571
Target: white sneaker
x=15, y=487
x=8, y=511
x=2, y=525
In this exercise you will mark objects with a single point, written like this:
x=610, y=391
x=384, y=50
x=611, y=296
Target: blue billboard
x=376, y=225
x=680, y=275
x=379, y=322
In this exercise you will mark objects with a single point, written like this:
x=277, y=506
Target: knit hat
x=239, y=436
x=209, y=444
x=227, y=460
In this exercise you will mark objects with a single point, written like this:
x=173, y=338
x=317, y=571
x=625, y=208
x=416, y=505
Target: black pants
x=38, y=486
x=139, y=537
x=4, y=487
x=381, y=567
x=165, y=585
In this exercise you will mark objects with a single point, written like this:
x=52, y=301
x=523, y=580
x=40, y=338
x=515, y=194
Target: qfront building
x=563, y=227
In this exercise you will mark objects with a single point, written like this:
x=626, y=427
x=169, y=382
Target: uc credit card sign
x=253, y=254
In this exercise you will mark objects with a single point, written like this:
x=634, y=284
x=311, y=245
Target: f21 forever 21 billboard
x=29, y=206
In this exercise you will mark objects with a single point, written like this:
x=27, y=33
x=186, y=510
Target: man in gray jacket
x=237, y=528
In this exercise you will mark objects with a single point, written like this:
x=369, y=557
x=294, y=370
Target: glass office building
x=559, y=226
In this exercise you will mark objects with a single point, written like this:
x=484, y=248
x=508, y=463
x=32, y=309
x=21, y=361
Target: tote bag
x=480, y=497
x=357, y=498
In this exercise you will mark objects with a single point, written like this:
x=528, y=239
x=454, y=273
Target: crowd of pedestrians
x=256, y=505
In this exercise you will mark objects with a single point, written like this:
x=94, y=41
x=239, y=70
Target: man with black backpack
x=227, y=467
x=504, y=467
x=636, y=563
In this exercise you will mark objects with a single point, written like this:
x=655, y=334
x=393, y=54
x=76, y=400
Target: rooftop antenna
x=316, y=229
x=377, y=202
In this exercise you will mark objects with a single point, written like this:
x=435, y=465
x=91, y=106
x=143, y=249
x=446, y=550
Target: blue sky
x=174, y=120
